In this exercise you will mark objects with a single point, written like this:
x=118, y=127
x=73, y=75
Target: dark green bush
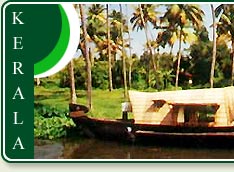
x=100, y=75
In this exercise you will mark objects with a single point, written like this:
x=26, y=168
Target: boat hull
x=147, y=134
x=105, y=129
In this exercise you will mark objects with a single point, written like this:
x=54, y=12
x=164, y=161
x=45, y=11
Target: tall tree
x=214, y=47
x=87, y=59
x=226, y=26
x=72, y=79
x=38, y=81
x=123, y=56
x=109, y=49
x=96, y=28
x=179, y=17
x=72, y=82
x=130, y=60
x=143, y=14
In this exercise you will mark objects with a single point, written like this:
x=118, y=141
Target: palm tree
x=100, y=30
x=109, y=49
x=72, y=82
x=130, y=61
x=214, y=48
x=116, y=24
x=96, y=21
x=123, y=56
x=72, y=79
x=87, y=59
x=179, y=17
x=168, y=36
x=38, y=81
x=226, y=26
x=143, y=14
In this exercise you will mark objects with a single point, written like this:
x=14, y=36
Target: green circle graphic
x=57, y=53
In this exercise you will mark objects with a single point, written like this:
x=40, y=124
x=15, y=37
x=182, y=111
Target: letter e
x=18, y=43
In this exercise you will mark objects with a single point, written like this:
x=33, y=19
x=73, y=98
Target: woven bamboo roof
x=222, y=98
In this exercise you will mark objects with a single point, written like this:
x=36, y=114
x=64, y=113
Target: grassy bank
x=105, y=104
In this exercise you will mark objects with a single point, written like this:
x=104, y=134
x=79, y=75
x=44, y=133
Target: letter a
x=15, y=17
x=18, y=143
x=18, y=93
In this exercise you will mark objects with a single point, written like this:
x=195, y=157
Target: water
x=97, y=149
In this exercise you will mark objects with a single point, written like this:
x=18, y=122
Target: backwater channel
x=85, y=148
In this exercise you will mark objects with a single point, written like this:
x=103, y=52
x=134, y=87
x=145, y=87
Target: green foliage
x=51, y=112
x=139, y=82
x=100, y=75
x=144, y=76
x=140, y=74
x=201, y=54
x=50, y=122
x=51, y=109
x=165, y=73
x=79, y=73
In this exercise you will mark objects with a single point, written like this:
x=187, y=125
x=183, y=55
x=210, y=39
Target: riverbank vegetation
x=107, y=64
x=51, y=111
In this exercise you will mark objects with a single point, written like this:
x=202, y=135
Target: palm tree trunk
x=214, y=49
x=152, y=52
x=178, y=61
x=123, y=56
x=130, y=73
x=38, y=81
x=171, y=49
x=72, y=82
x=147, y=39
x=130, y=54
x=232, y=62
x=87, y=59
x=91, y=57
x=109, y=49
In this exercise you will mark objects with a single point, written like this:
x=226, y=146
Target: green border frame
x=176, y=161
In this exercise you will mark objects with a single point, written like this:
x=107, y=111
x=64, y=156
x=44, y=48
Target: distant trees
x=108, y=57
x=226, y=26
x=201, y=60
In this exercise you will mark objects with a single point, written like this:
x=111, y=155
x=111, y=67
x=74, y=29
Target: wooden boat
x=172, y=117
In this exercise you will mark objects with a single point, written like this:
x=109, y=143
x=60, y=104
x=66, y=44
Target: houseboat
x=172, y=117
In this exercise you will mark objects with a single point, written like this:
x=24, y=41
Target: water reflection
x=97, y=149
